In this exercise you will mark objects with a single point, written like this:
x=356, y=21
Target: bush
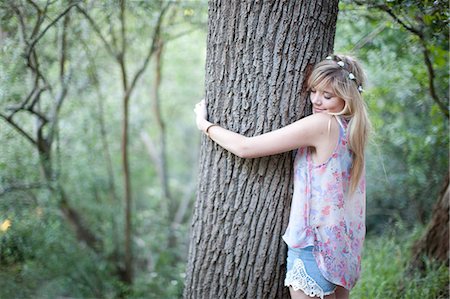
x=384, y=270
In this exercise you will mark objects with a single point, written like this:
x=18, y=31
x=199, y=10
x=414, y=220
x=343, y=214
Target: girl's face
x=324, y=101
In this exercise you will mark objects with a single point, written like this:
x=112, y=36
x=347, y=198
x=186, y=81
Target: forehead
x=324, y=87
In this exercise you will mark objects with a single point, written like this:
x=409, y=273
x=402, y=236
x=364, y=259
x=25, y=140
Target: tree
x=434, y=243
x=46, y=95
x=258, y=57
x=427, y=22
x=48, y=92
x=129, y=80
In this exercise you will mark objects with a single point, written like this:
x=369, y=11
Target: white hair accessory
x=351, y=76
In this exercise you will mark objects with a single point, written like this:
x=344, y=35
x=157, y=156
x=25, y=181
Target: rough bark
x=434, y=243
x=259, y=54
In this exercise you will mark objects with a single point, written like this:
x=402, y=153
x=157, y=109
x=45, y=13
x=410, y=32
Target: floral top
x=324, y=214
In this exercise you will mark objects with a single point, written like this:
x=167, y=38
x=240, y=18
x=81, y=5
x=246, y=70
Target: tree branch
x=34, y=96
x=111, y=32
x=35, y=6
x=368, y=38
x=21, y=23
x=93, y=77
x=429, y=65
x=108, y=47
x=388, y=10
x=152, y=48
x=58, y=103
x=63, y=56
x=174, y=37
x=122, y=54
x=35, y=40
x=39, y=20
x=63, y=81
x=33, y=64
x=426, y=54
x=19, y=129
x=22, y=187
x=43, y=118
x=122, y=28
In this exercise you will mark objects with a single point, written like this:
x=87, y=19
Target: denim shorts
x=303, y=273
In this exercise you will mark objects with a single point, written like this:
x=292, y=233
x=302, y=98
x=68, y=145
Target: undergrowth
x=385, y=270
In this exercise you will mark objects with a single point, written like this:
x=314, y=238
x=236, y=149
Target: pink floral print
x=324, y=214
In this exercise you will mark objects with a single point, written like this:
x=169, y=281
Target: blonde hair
x=334, y=73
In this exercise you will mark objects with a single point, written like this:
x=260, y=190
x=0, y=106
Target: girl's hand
x=201, y=114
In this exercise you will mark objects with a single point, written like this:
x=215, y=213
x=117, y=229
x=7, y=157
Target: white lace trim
x=298, y=279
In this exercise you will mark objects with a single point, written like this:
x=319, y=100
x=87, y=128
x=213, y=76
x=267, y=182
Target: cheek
x=340, y=104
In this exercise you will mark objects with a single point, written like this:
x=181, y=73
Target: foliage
x=408, y=157
x=40, y=255
x=385, y=272
x=39, y=258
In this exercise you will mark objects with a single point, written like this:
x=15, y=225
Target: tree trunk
x=259, y=54
x=435, y=241
x=82, y=231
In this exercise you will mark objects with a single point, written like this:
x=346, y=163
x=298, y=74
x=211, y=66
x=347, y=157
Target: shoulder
x=311, y=129
x=317, y=121
x=321, y=127
x=320, y=117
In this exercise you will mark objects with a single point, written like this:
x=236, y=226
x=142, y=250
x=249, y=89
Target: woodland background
x=87, y=213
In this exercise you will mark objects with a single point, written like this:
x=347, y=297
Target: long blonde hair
x=345, y=77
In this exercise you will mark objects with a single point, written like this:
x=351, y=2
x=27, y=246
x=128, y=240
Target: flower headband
x=351, y=76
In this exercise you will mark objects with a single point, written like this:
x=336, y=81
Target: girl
x=327, y=219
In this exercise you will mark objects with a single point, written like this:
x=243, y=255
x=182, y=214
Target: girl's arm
x=308, y=131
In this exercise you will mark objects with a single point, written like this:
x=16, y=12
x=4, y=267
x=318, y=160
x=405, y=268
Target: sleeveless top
x=324, y=214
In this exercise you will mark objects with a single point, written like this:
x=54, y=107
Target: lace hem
x=298, y=279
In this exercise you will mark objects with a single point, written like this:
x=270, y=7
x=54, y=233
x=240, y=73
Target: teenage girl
x=327, y=220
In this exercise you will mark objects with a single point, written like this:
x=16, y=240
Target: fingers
x=200, y=104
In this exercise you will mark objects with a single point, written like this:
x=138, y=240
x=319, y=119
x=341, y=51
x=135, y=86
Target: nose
x=315, y=98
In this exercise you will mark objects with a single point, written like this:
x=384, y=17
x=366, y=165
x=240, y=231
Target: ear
x=346, y=110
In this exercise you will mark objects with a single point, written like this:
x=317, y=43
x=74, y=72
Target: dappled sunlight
x=6, y=224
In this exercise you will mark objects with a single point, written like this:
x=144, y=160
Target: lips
x=317, y=110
